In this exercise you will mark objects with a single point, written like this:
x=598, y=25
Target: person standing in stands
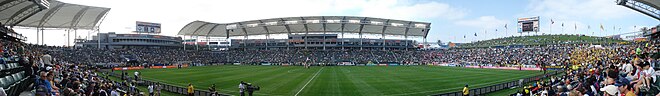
x=114, y=92
x=46, y=59
x=191, y=90
x=158, y=88
x=466, y=90
x=150, y=88
x=136, y=75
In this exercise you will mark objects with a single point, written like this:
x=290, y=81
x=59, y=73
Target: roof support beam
x=200, y=27
x=100, y=17
x=76, y=18
x=246, y=35
x=324, y=39
x=23, y=14
x=267, y=33
x=383, y=32
x=405, y=34
x=306, y=31
x=10, y=3
x=287, y=30
x=213, y=28
x=50, y=13
x=343, y=22
x=360, y=31
x=428, y=29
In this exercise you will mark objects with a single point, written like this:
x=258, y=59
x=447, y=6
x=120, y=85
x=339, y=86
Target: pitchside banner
x=530, y=24
x=147, y=27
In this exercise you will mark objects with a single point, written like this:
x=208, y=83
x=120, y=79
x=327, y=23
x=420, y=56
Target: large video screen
x=530, y=24
x=147, y=27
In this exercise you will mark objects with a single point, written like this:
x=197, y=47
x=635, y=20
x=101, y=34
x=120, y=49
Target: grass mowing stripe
x=361, y=84
x=456, y=88
x=246, y=77
x=395, y=80
x=206, y=73
x=422, y=83
x=310, y=80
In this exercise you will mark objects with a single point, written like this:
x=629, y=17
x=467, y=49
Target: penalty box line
x=310, y=80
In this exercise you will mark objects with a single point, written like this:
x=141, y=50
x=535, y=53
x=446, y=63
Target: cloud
x=577, y=9
x=485, y=22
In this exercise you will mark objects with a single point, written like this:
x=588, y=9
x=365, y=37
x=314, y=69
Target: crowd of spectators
x=536, y=55
x=590, y=70
x=56, y=76
x=608, y=71
x=540, y=40
x=149, y=56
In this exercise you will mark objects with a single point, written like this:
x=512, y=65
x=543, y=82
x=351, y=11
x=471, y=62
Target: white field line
x=310, y=80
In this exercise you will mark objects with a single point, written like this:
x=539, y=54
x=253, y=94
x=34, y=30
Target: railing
x=498, y=87
x=170, y=88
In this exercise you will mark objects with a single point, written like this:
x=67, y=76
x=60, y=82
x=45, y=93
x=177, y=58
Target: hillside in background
x=542, y=40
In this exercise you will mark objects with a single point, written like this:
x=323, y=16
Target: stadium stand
x=583, y=66
x=541, y=40
x=577, y=61
x=14, y=63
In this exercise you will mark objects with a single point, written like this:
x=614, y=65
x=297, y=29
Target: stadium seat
x=22, y=74
x=9, y=80
x=7, y=66
x=3, y=82
x=12, y=65
x=16, y=77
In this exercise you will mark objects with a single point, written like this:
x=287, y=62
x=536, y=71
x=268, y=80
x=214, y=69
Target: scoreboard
x=147, y=27
x=529, y=24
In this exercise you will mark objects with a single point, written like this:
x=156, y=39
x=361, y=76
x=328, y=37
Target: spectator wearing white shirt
x=627, y=68
x=114, y=92
x=151, y=90
x=46, y=59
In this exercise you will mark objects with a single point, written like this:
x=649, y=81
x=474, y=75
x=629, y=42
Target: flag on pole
x=475, y=34
x=464, y=36
x=601, y=27
x=505, y=26
x=562, y=25
x=575, y=26
x=552, y=21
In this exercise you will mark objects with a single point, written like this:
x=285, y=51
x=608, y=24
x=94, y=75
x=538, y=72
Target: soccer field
x=335, y=80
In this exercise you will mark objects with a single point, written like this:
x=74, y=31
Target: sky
x=451, y=20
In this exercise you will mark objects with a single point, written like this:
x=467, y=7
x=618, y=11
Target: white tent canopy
x=309, y=24
x=26, y=13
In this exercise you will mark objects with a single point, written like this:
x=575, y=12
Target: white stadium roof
x=27, y=13
x=309, y=24
x=647, y=7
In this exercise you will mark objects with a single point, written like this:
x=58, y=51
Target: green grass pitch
x=336, y=80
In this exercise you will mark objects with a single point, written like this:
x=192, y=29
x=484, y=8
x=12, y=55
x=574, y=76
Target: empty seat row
x=8, y=66
x=9, y=80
